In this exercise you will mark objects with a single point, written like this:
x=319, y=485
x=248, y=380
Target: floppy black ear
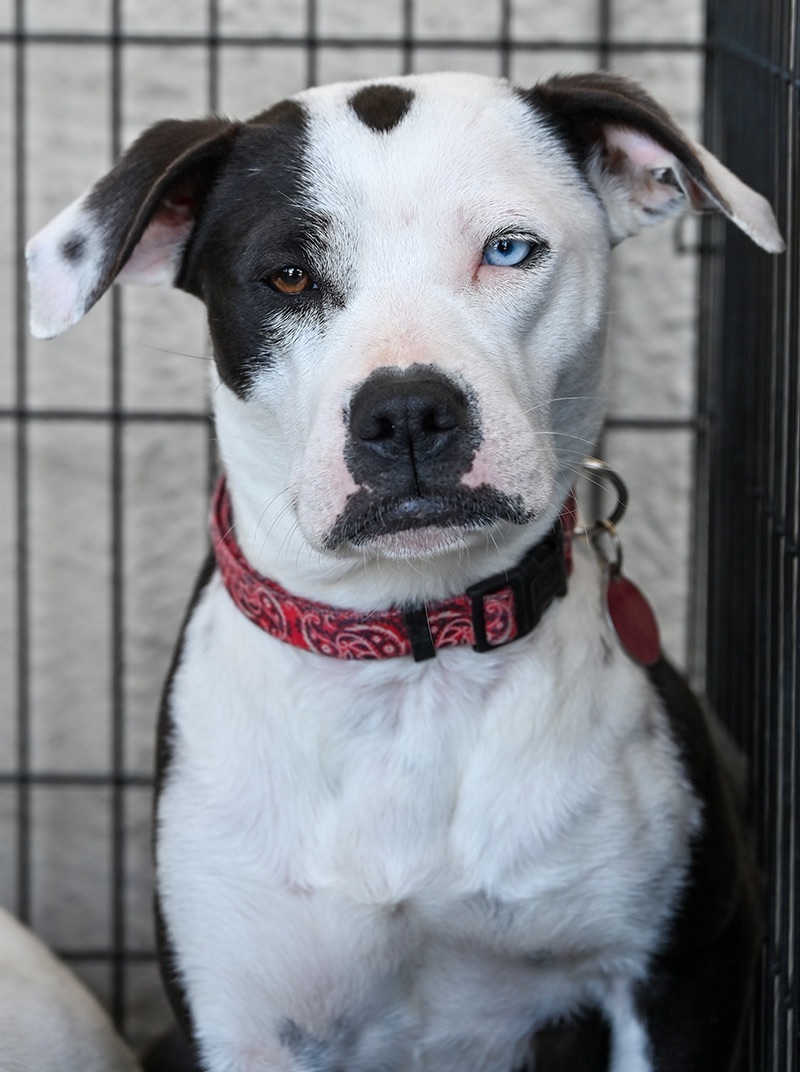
x=641, y=163
x=133, y=225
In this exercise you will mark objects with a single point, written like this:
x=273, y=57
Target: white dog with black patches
x=49, y=1022
x=377, y=848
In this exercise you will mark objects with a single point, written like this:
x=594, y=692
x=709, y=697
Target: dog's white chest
x=371, y=842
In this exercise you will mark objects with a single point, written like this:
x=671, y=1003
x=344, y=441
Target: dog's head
x=406, y=293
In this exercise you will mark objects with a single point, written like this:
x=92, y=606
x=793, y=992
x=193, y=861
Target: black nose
x=393, y=416
x=410, y=430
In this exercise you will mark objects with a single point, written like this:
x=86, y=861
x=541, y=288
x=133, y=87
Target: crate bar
x=752, y=398
x=313, y=42
x=117, y=609
x=23, y=744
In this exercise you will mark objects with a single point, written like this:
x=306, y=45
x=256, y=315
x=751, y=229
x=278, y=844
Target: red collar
x=490, y=613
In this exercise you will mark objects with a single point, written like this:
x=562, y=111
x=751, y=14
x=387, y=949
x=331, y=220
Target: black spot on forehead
x=381, y=107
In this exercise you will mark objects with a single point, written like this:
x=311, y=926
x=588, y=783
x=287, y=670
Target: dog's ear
x=133, y=225
x=642, y=165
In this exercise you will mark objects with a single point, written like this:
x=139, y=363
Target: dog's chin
x=427, y=542
x=421, y=526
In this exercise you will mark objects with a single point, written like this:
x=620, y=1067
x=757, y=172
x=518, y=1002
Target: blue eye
x=507, y=252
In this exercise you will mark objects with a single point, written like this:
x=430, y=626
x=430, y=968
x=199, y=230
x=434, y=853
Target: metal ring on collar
x=597, y=468
x=604, y=525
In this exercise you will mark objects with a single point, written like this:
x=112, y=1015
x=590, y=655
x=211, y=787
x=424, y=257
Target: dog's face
x=416, y=298
x=406, y=286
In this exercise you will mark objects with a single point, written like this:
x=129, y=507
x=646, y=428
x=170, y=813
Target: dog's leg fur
x=690, y=1012
x=581, y=1044
x=716, y=935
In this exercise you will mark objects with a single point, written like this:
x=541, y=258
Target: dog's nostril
x=374, y=427
x=441, y=418
x=406, y=416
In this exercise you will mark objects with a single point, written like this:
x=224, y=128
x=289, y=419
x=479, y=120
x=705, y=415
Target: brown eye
x=291, y=280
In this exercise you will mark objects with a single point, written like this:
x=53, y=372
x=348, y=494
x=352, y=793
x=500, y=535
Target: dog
x=49, y=1022
x=377, y=847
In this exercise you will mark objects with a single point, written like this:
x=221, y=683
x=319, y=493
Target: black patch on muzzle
x=367, y=515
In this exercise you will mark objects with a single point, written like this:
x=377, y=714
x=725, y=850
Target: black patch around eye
x=73, y=248
x=259, y=195
x=381, y=107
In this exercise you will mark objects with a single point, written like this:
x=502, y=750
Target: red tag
x=632, y=619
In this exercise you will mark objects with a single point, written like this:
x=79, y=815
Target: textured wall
x=96, y=642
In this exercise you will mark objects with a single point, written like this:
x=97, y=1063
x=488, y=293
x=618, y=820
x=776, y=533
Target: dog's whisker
x=592, y=481
x=547, y=403
x=283, y=550
x=268, y=506
x=289, y=542
x=268, y=530
x=288, y=539
x=169, y=352
x=587, y=477
x=578, y=439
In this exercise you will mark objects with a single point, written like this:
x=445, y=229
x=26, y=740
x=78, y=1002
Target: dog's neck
x=490, y=614
x=275, y=547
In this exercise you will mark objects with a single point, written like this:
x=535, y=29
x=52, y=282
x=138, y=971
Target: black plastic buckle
x=418, y=630
x=539, y=578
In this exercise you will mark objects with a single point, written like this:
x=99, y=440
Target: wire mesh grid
x=750, y=396
x=107, y=450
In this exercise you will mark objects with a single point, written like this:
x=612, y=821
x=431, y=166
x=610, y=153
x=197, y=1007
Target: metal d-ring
x=607, y=524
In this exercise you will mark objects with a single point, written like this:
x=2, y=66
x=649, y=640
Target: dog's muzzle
x=412, y=435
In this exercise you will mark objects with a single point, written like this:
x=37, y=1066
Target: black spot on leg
x=381, y=107
x=73, y=248
x=310, y=1052
x=315, y=1054
x=582, y=1043
x=292, y=1036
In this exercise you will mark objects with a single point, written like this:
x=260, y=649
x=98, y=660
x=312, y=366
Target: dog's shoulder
x=164, y=735
x=723, y=871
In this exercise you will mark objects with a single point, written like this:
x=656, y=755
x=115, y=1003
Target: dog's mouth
x=440, y=518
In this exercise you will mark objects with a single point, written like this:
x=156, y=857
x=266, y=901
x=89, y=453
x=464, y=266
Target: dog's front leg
x=694, y=1005
x=695, y=997
x=630, y=1044
x=304, y=1006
